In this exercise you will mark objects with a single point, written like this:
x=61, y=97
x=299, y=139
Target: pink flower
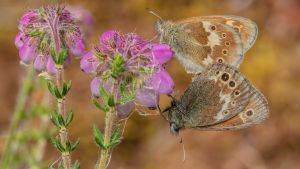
x=162, y=82
x=161, y=53
x=124, y=110
x=147, y=97
x=89, y=63
x=28, y=52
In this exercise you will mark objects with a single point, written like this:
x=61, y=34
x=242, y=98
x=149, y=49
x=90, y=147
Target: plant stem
x=63, y=133
x=109, y=127
x=23, y=95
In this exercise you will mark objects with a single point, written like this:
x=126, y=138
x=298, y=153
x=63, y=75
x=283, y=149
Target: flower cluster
x=131, y=66
x=44, y=30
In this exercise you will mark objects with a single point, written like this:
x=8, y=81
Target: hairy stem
x=109, y=127
x=23, y=95
x=63, y=133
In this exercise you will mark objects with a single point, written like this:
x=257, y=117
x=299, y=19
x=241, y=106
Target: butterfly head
x=174, y=116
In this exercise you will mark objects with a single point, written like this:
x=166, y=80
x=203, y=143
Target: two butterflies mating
x=219, y=97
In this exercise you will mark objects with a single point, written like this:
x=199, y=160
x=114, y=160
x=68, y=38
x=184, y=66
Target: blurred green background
x=272, y=64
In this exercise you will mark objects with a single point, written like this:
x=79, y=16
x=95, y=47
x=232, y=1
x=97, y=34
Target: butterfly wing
x=245, y=27
x=219, y=95
x=203, y=43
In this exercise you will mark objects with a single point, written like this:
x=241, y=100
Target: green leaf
x=69, y=118
x=103, y=108
x=99, y=138
x=62, y=56
x=54, y=90
x=68, y=146
x=115, y=138
x=35, y=33
x=57, y=144
x=54, y=119
x=66, y=88
x=103, y=93
x=74, y=145
x=111, y=101
x=61, y=120
x=76, y=165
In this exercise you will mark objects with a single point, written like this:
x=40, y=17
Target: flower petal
x=40, y=63
x=162, y=82
x=161, y=53
x=27, y=52
x=89, y=63
x=50, y=66
x=124, y=110
x=147, y=97
x=19, y=40
x=75, y=44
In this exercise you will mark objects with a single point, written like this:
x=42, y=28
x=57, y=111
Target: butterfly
x=199, y=42
x=219, y=98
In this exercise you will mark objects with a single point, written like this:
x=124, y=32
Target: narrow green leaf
x=60, y=165
x=99, y=106
x=111, y=101
x=54, y=119
x=68, y=146
x=74, y=145
x=99, y=138
x=76, y=165
x=61, y=120
x=103, y=93
x=69, y=118
x=57, y=144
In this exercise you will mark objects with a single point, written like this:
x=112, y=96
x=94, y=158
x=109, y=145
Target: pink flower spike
x=147, y=97
x=40, y=63
x=89, y=63
x=123, y=111
x=50, y=66
x=161, y=53
x=162, y=82
x=27, y=52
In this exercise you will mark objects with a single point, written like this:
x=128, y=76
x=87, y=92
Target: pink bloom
x=123, y=111
x=161, y=53
x=162, y=82
x=40, y=63
x=147, y=97
x=27, y=52
x=89, y=63
x=50, y=66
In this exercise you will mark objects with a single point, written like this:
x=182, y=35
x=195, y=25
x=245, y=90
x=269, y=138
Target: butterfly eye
x=224, y=51
x=232, y=84
x=225, y=77
x=227, y=43
x=213, y=27
x=249, y=113
x=224, y=35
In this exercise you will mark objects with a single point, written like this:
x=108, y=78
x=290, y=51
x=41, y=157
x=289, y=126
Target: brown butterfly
x=220, y=98
x=201, y=41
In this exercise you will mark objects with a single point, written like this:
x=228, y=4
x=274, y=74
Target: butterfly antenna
x=156, y=15
x=183, y=150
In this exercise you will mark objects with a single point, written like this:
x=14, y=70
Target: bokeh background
x=273, y=65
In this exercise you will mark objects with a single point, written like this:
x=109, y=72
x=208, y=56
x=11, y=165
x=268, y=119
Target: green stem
x=23, y=95
x=109, y=127
x=105, y=153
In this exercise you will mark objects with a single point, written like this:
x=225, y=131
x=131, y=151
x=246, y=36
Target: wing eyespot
x=220, y=60
x=232, y=84
x=213, y=27
x=224, y=35
x=227, y=43
x=249, y=113
x=225, y=77
x=224, y=51
x=236, y=92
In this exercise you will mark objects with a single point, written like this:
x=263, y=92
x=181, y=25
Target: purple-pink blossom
x=118, y=57
x=45, y=29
